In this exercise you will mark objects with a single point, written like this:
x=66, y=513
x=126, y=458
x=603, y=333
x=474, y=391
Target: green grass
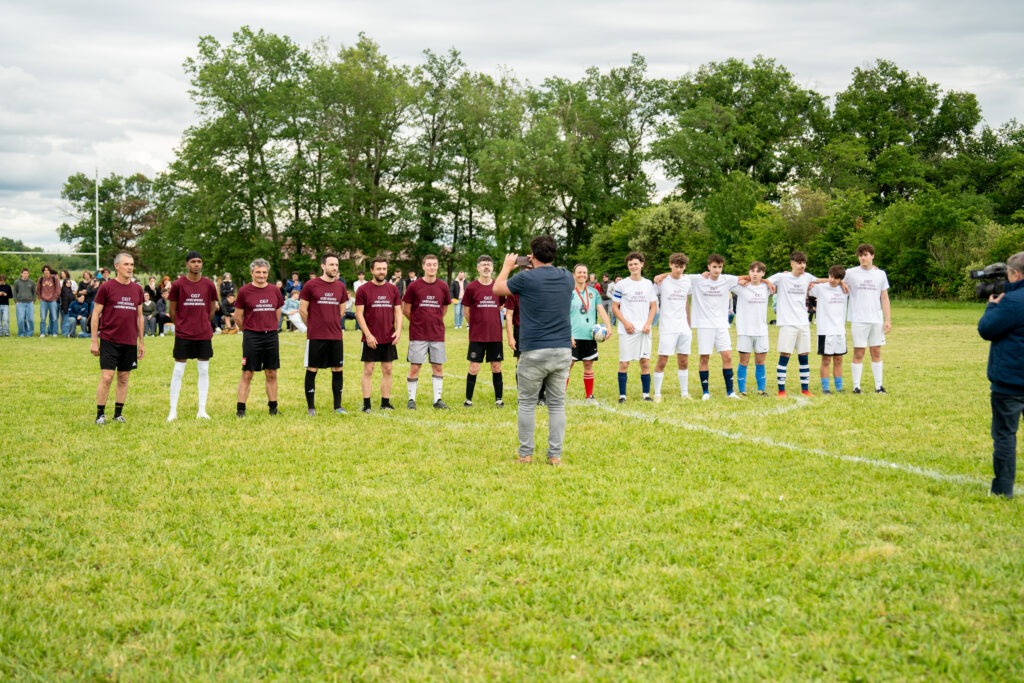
x=845, y=537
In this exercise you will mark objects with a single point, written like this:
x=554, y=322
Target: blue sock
x=645, y=383
x=839, y=383
x=761, y=375
x=824, y=384
x=622, y=383
x=741, y=378
x=727, y=376
x=704, y=374
x=780, y=372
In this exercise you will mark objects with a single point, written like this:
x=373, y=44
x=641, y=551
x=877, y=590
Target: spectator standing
x=68, y=287
x=6, y=295
x=25, y=304
x=226, y=287
x=48, y=291
x=294, y=284
x=458, y=289
x=117, y=335
x=161, y=311
x=148, y=314
x=193, y=301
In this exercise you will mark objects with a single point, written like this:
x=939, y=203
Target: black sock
x=240, y=407
x=272, y=405
x=337, y=382
x=499, y=386
x=366, y=403
x=470, y=386
x=118, y=407
x=100, y=410
x=385, y=403
x=310, y=389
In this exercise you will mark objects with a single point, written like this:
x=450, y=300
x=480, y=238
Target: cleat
x=734, y=395
x=743, y=394
x=239, y=413
x=341, y=411
x=498, y=403
x=120, y=418
x=826, y=392
x=857, y=390
x=411, y=405
x=101, y=420
x=782, y=394
x=590, y=401
x=367, y=410
x=622, y=399
x=685, y=397
x=524, y=459
x=657, y=398
x=273, y=411
x=807, y=393
x=467, y=403
x=311, y=412
x=705, y=397
x=201, y=415
x=762, y=393
x=881, y=390
x=440, y=405
x=387, y=407
x=172, y=416
x=647, y=397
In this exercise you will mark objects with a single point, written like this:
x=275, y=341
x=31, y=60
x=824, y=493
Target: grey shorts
x=420, y=351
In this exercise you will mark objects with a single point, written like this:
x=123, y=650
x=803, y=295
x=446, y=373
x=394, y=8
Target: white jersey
x=751, y=310
x=831, y=315
x=711, y=299
x=791, y=298
x=673, y=294
x=634, y=298
x=866, y=287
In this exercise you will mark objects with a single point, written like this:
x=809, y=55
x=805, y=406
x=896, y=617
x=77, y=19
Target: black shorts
x=324, y=353
x=485, y=352
x=260, y=351
x=192, y=348
x=120, y=357
x=585, y=349
x=384, y=353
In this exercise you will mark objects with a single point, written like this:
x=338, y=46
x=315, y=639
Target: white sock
x=204, y=383
x=858, y=371
x=659, y=377
x=876, y=370
x=176, y=377
x=411, y=386
x=684, y=382
x=438, y=386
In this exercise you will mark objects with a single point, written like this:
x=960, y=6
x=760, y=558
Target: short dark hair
x=716, y=258
x=430, y=257
x=758, y=266
x=838, y=272
x=678, y=259
x=635, y=256
x=798, y=256
x=544, y=248
x=375, y=261
x=323, y=259
x=484, y=258
x=865, y=249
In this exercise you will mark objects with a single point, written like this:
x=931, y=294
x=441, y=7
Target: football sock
x=727, y=376
x=240, y=407
x=203, y=366
x=438, y=383
x=118, y=407
x=499, y=386
x=824, y=384
x=588, y=383
x=876, y=370
x=839, y=383
x=645, y=383
x=410, y=385
x=805, y=372
x=385, y=403
x=366, y=403
x=100, y=410
x=659, y=377
x=684, y=381
x=176, y=377
x=761, y=374
x=470, y=386
x=337, y=384
x=704, y=376
x=622, y=383
x=858, y=371
x=310, y=389
x=780, y=372
x=741, y=378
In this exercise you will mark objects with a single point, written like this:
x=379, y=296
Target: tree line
x=300, y=150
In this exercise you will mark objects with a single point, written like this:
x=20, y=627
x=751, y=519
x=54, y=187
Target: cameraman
x=1003, y=325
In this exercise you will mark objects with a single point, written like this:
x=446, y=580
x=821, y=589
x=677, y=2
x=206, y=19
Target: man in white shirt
x=634, y=305
x=752, y=327
x=711, y=297
x=674, y=336
x=794, y=325
x=870, y=318
x=832, y=301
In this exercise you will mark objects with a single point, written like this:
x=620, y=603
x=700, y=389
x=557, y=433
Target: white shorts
x=795, y=338
x=711, y=339
x=670, y=343
x=867, y=334
x=634, y=346
x=746, y=343
x=831, y=344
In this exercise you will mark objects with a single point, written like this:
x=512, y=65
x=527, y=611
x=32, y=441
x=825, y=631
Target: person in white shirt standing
x=752, y=327
x=634, y=305
x=832, y=302
x=794, y=325
x=711, y=298
x=674, y=336
x=870, y=318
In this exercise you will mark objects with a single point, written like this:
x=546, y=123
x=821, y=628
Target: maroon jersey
x=429, y=300
x=259, y=307
x=119, y=320
x=326, y=301
x=192, y=315
x=512, y=304
x=378, y=302
x=484, y=312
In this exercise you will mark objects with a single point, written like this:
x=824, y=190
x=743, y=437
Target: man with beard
x=321, y=307
x=193, y=301
x=379, y=316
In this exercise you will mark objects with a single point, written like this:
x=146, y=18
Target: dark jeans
x=1006, y=412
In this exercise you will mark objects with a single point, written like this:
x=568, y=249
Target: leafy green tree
x=728, y=206
x=126, y=213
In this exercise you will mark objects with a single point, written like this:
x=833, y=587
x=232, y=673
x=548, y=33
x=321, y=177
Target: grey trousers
x=548, y=368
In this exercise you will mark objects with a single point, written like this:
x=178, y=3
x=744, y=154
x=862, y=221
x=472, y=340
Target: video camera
x=993, y=280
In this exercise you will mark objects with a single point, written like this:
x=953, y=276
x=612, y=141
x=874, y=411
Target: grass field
x=845, y=537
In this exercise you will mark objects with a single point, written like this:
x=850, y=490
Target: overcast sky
x=100, y=84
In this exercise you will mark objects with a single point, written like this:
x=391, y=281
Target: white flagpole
x=97, y=207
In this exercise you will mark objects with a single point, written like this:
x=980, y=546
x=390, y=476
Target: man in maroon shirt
x=118, y=331
x=321, y=306
x=483, y=317
x=379, y=316
x=192, y=304
x=424, y=304
x=258, y=314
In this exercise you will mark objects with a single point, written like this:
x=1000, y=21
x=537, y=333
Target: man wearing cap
x=192, y=304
